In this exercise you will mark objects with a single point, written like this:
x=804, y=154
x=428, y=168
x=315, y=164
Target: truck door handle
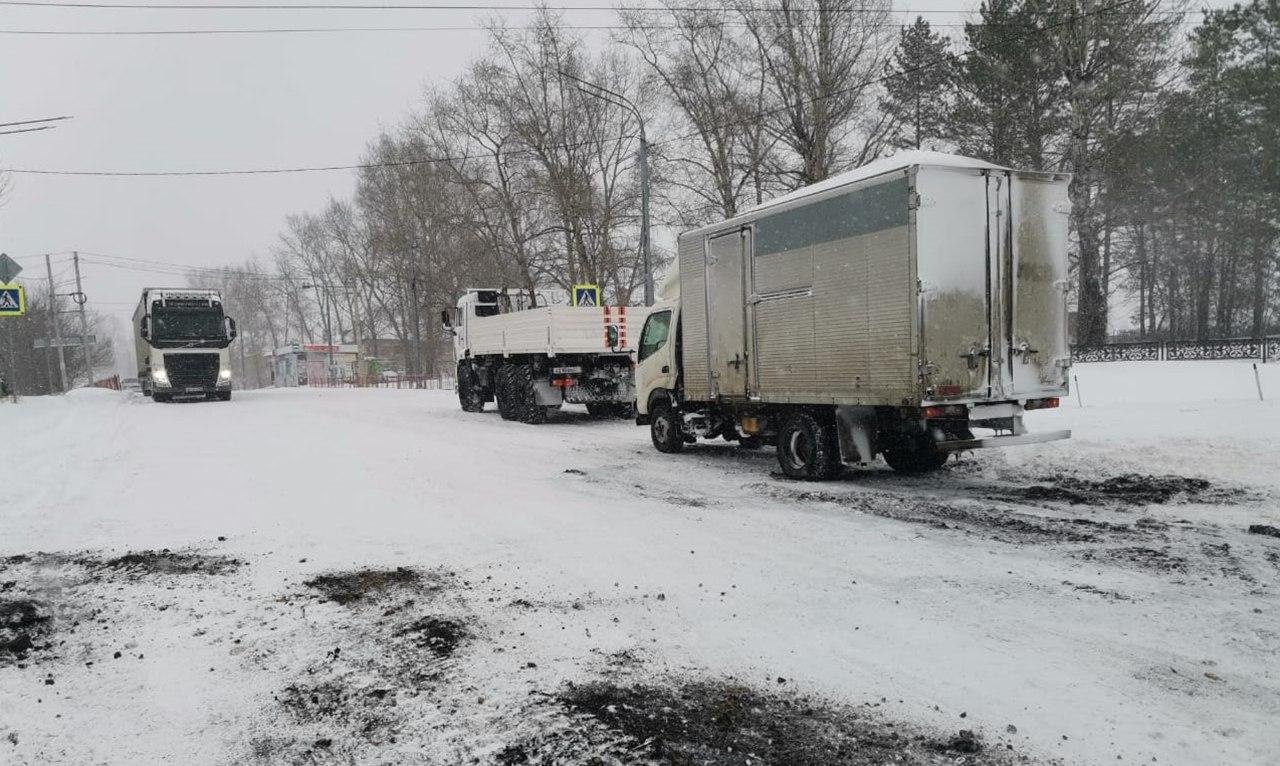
x=736, y=361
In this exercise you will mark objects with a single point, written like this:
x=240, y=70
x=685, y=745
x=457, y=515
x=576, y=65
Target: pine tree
x=1009, y=93
x=919, y=93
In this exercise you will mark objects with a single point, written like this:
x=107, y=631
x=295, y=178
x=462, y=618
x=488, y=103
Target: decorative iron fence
x=1262, y=349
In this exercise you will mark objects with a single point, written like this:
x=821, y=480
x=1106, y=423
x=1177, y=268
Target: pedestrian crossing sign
x=586, y=295
x=13, y=301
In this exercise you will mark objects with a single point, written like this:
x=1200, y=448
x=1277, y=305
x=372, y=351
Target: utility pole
x=84, y=322
x=57, y=325
x=244, y=372
x=617, y=99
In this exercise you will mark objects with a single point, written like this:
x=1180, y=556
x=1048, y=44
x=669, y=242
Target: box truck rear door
x=953, y=259
x=726, y=315
x=1037, y=353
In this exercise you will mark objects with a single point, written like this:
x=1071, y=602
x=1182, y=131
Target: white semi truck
x=182, y=337
x=532, y=359
x=900, y=309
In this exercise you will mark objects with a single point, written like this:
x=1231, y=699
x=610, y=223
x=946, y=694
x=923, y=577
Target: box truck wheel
x=526, y=396
x=664, y=427
x=916, y=456
x=809, y=447
x=504, y=394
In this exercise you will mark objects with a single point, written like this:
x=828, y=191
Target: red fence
x=112, y=383
x=400, y=381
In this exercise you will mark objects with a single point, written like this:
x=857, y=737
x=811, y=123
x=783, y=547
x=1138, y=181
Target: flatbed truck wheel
x=470, y=397
x=503, y=391
x=809, y=447
x=527, y=396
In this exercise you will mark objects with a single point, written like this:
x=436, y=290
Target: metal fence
x=1263, y=349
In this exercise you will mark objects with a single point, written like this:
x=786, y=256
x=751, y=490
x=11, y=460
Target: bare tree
x=822, y=61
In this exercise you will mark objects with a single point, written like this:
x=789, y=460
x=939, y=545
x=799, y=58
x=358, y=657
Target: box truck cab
x=182, y=337
x=911, y=308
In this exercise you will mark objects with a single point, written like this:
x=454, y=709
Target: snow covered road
x=376, y=576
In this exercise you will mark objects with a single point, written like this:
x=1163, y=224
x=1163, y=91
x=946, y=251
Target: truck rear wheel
x=469, y=394
x=524, y=392
x=920, y=457
x=664, y=428
x=809, y=447
x=503, y=392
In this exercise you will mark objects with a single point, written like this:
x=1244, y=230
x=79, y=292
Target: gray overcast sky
x=210, y=102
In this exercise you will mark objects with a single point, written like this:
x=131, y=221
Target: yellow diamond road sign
x=13, y=301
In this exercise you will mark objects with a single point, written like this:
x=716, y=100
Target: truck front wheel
x=469, y=394
x=809, y=447
x=664, y=427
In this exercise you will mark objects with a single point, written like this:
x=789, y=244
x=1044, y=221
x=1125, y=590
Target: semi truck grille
x=192, y=370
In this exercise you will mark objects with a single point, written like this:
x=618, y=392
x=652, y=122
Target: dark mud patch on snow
x=133, y=564
x=974, y=517
x=1140, y=557
x=24, y=623
x=439, y=635
x=166, y=562
x=1109, y=595
x=347, y=588
x=713, y=722
x=1125, y=489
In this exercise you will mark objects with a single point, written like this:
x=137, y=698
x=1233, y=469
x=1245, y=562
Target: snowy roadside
x=397, y=581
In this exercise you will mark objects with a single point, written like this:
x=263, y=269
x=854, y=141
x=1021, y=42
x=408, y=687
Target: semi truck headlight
x=160, y=377
x=224, y=374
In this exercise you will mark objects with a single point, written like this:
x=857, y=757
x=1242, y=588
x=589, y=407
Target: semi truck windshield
x=187, y=324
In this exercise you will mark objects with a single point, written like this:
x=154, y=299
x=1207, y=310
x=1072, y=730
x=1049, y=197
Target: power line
x=26, y=130
x=290, y=30
x=425, y=7
x=462, y=158
x=34, y=122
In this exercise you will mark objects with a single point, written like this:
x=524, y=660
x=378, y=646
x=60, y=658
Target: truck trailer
x=182, y=338
x=531, y=359
x=911, y=308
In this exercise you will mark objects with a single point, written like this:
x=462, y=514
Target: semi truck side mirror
x=445, y=320
x=144, y=329
x=611, y=333
x=231, y=329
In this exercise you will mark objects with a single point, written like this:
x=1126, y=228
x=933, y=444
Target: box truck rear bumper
x=1002, y=441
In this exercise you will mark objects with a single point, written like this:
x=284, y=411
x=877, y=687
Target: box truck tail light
x=946, y=412
x=564, y=382
x=1041, y=404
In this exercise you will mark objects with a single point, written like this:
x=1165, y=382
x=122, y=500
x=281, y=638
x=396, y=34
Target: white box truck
x=900, y=309
x=182, y=337
x=532, y=359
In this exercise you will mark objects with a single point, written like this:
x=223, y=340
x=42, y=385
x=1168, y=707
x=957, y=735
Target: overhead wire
x=462, y=158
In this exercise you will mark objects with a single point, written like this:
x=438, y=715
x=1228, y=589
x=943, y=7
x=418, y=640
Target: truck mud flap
x=1002, y=441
